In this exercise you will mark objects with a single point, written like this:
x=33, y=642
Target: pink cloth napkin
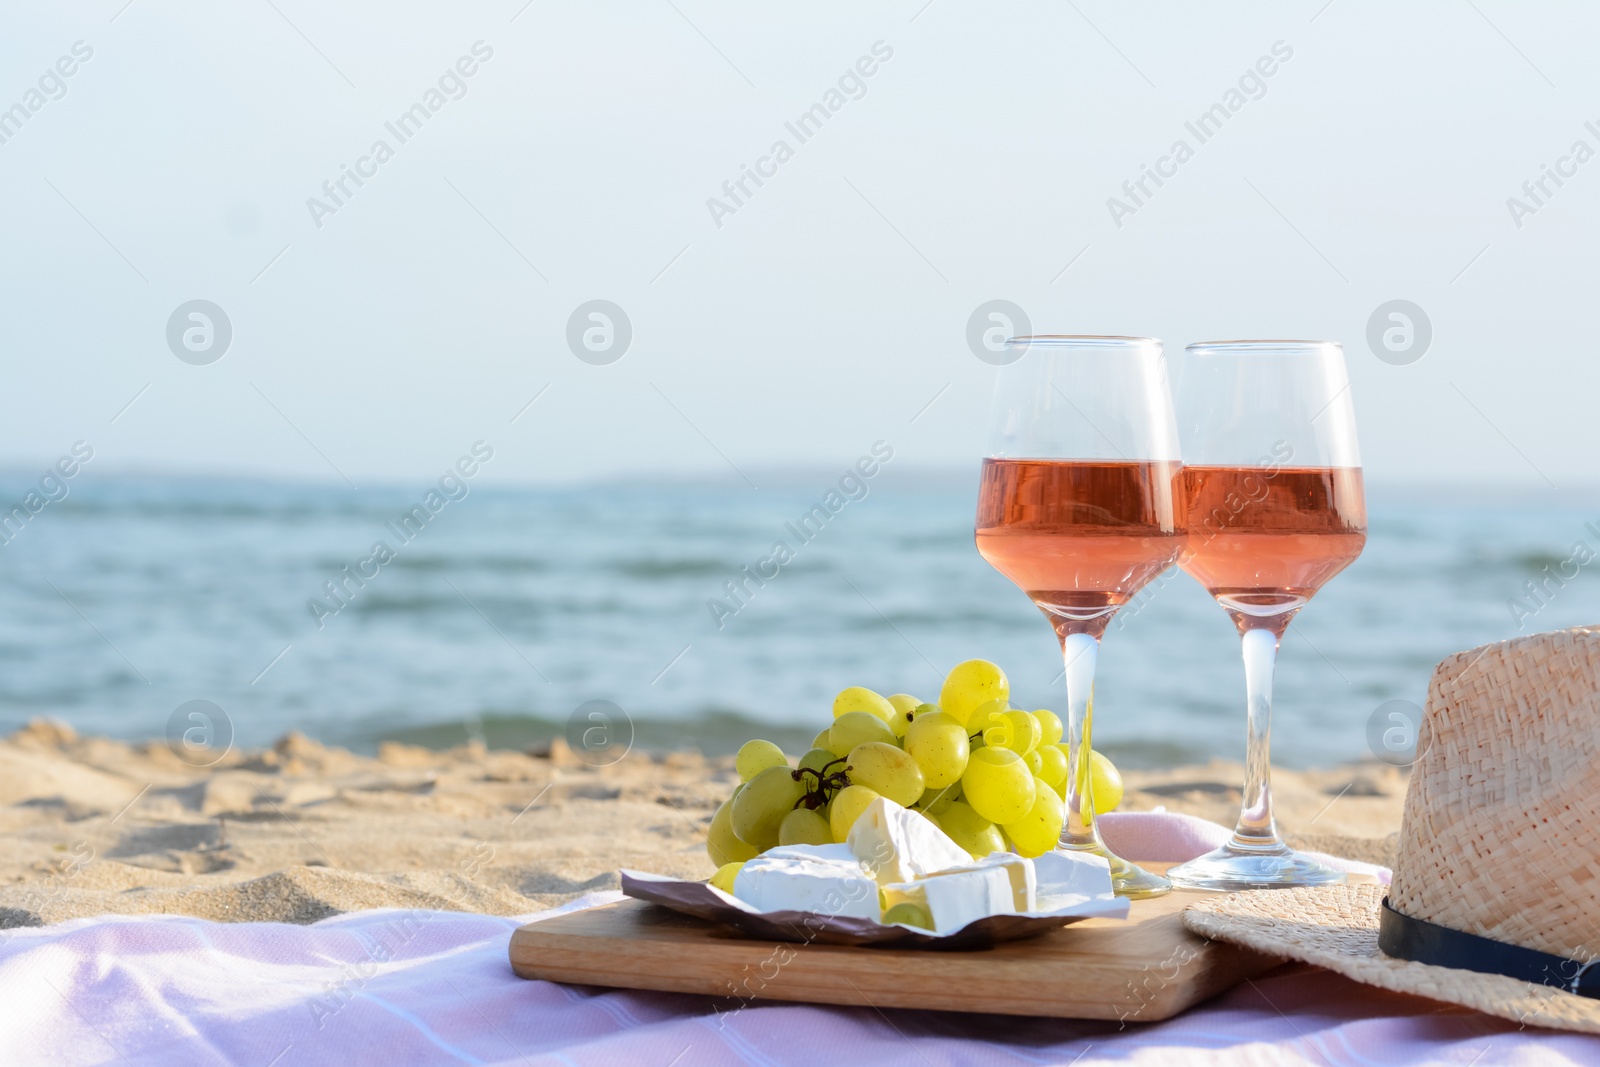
x=1165, y=837
x=397, y=987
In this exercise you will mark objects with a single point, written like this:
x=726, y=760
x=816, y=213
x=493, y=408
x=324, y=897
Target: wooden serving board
x=1143, y=969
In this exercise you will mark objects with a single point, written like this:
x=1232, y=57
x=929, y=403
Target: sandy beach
x=302, y=831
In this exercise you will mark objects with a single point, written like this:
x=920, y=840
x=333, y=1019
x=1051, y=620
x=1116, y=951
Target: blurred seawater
x=513, y=606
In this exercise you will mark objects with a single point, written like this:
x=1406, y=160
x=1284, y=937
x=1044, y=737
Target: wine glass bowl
x=1080, y=537
x=1274, y=505
x=1306, y=525
x=1079, y=507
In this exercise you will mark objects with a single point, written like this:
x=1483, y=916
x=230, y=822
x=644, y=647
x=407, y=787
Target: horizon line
x=774, y=476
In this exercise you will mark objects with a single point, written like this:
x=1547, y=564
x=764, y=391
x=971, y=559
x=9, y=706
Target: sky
x=970, y=153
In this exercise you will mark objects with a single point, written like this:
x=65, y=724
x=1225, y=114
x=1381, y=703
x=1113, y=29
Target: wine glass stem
x=1079, y=651
x=1257, y=831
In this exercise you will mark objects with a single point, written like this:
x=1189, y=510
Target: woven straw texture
x=1500, y=838
x=1501, y=833
x=1337, y=927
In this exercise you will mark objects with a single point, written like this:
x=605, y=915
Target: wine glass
x=1077, y=507
x=1272, y=488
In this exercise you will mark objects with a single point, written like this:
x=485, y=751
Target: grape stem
x=827, y=783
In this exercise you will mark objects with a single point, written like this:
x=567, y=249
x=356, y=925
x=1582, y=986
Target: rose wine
x=1079, y=537
x=1263, y=540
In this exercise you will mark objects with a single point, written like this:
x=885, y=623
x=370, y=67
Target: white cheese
x=818, y=853
x=808, y=883
x=952, y=899
x=1020, y=873
x=906, y=856
x=1070, y=877
x=898, y=845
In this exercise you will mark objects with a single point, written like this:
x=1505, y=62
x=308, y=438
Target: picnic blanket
x=395, y=987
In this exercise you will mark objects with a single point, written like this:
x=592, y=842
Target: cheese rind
x=1067, y=877
x=953, y=899
x=899, y=845
x=1019, y=874
x=815, y=853
x=800, y=883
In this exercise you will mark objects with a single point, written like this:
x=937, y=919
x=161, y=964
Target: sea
x=508, y=615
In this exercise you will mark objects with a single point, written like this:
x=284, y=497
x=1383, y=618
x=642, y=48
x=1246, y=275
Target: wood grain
x=1141, y=970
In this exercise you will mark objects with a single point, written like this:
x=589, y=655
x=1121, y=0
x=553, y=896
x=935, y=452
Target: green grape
x=979, y=720
x=857, y=698
x=756, y=756
x=936, y=800
x=821, y=740
x=1105, y=783
x=1050, y=725
x=725, y=875
x=997, y=784
x=924, y=709
x=1017, y=730
x=1052, y=767
x=908, y=914
x=887, y=771
x=970, y=830
x=1038, y=831
x=816, y=760
x=856, y=728
x=904, y=702
x=1035, y=762
x=1065, y=778
x=759, y=808
x=905, y=709
x=969, y=684
x=848, y=804
x=721, y=844
x=939, y=745
x=1027, y=731
x=802, y=826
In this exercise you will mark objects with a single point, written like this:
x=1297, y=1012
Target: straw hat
x=1496, y=897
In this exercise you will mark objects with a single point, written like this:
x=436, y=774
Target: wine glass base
x=1231, y=868
x=1127, y=879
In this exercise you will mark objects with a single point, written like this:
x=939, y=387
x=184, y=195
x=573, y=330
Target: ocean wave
x=204, y=583
x=650, y=569
x=502, y=609
x=454, y=564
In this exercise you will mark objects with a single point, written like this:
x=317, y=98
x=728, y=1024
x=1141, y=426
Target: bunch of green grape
x=989, y=775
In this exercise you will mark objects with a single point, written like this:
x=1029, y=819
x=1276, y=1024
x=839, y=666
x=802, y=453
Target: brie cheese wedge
x=1066, y=878
x=1020, y=874
x=952, y=899
x=824, y=885
x=895, y=844
x=817, y=853
x=999, y=884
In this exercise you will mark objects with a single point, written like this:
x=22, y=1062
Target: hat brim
x=1337, y=927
